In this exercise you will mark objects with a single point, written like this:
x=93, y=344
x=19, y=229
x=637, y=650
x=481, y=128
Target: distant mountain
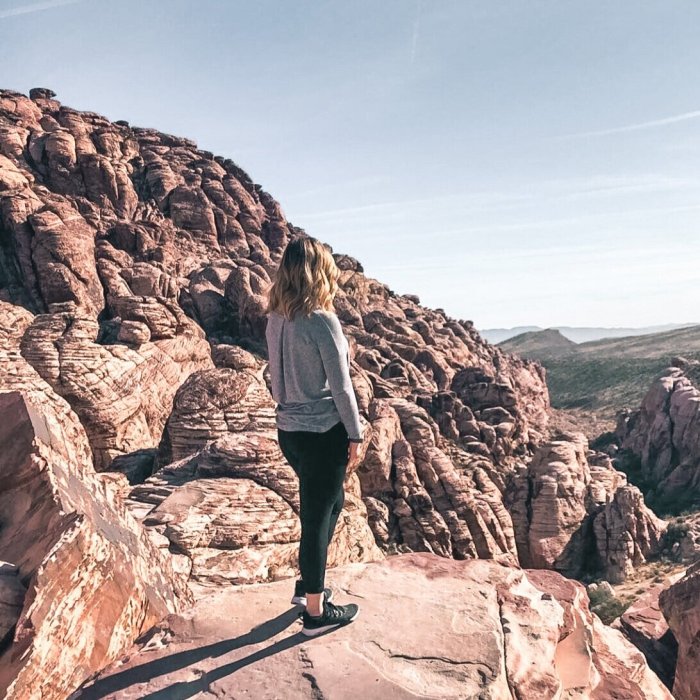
x=603, y=376
x=579, y=334
x=539, y=344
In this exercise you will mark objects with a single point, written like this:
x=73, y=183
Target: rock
x=11, y=599
x=565, y=508
x=123, y=394
x=133, y=278
x=434, y=503
x=682, y=538
x=664, y=436
x=233, y=509
x=37, y=93
x=626, y=533
x=134, y=333
x=645, y=626
x=212, y=403
x=487, y=631
x=680, y=604
x=94, y=581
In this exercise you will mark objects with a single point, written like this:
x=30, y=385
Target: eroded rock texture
x=664, y=435
x=573, y=512
x=232, y=509
x=143, y=262
x=645, y=626
x=680, y=604
x=486, y=631
x=94, y=582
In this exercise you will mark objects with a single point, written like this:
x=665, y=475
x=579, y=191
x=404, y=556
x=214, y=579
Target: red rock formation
x=486, y=631
x=94, y=582
x=664, y=434
x=232, y=509
x=575, y=516
x=645, y=626
x=146, y=261
x=680, y=604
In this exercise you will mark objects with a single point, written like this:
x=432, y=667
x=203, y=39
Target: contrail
x=637, y=127
x=416, y=31
x=36, y=7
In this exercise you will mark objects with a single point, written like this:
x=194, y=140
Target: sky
x=513, y=162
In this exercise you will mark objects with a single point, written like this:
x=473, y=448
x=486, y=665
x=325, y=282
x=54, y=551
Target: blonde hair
x=306, y=279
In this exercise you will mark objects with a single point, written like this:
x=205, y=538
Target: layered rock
x=94, y=581
x=133, y=274
x=123, y=394
x=486, y=631
x=146, y=261
x=212, y=403
x=664, y=436
x=232, y=510
x=680, y=604
x=573, y=512
x=427, y=496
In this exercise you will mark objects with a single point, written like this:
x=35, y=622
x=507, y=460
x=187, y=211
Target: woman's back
x=309, y=370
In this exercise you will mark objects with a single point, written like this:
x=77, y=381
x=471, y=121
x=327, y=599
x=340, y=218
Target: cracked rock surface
x=485, y=631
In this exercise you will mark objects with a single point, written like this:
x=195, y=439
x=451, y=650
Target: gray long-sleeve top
x=310, y=373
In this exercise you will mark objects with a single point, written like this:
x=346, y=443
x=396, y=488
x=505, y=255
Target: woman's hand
x=353, y=454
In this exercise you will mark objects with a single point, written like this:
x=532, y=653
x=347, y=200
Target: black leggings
x=320, y=461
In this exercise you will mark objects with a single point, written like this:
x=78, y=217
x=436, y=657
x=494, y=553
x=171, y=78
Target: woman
x=318, y=422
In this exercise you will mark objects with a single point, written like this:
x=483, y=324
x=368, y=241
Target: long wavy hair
x=306, y=279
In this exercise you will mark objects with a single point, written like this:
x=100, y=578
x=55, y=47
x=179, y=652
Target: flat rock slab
x=429, y=627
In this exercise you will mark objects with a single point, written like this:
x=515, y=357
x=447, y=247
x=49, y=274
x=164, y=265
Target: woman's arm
x=336, y=362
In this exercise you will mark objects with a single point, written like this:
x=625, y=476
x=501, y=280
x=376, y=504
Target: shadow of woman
x=146, y=672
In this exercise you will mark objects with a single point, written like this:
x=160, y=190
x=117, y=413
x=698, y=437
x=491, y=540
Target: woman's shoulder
x=325, y=318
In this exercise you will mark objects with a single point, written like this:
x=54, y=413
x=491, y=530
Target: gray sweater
x=310, y=373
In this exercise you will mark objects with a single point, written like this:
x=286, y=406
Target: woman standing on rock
x=318, y=422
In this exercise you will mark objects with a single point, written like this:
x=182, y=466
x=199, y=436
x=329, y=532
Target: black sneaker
x=299, y=597
x=333, y=616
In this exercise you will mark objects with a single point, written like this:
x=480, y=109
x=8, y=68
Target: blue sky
x=514, y=162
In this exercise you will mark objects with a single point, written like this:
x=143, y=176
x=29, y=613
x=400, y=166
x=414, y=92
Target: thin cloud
x=36, y=7
x=686, y=116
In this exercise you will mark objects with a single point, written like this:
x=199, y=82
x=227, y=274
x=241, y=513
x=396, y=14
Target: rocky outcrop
x=144, y=262
x=680, y=604
x=486, y=631
x=212, y=403
x=664, y=437
x=645, y=626
x=94, y=582
x=573, y=512
x=682, y=539
x=426, y=496
x=122, y=394
x=231, y=510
